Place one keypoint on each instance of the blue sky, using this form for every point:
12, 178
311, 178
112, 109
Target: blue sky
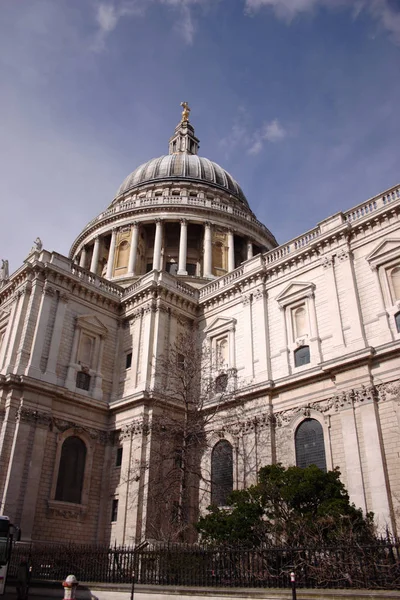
297, 99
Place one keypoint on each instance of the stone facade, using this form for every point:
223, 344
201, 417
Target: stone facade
305, 331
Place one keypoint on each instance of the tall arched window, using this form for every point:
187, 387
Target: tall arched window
300, 322
395, 276
122, 255
71, 470
310, 447
221, 473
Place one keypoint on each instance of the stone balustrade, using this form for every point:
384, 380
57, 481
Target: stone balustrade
137, 203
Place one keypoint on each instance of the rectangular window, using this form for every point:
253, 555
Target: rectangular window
114, 510
118, 461
191, 269
128, 360
83, 380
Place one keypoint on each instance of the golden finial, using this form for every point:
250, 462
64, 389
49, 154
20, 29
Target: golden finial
185, 112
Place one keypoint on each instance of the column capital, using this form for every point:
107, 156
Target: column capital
135, 224
158, 221
183, 221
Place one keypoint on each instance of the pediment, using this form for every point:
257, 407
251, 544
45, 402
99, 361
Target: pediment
220, 324
91, 323
295, 291
385, 251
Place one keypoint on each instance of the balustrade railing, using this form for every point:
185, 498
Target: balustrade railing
98, 282
178, 200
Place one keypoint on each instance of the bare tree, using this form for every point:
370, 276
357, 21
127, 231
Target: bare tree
192, 386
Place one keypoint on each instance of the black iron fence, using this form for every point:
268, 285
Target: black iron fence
374, 567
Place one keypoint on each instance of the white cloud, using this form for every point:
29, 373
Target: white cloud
251, 141
108, 14
385, 12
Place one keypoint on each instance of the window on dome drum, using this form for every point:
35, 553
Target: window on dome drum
302, 356
397, 321
114, 510
191, 269
122, 255
310, 447
83, 380
118, 461
221, 473
221, 383
71, 470
149, 267
128, 360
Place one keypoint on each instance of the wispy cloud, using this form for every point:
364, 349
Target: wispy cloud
385, 12
108, 15
250, 140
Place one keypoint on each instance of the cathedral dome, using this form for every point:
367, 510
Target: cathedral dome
180, 166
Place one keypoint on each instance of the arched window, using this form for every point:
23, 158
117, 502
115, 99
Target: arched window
302, 356
71, 470
397, 321
300, 322
221, 473
310, 447
122, 255
222, 353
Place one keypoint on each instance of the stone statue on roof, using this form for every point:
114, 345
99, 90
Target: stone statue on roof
185, 112
37, 245
4, 275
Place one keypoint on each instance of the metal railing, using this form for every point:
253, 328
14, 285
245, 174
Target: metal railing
360, 567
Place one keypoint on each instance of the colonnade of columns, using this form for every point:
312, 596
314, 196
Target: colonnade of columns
157, 252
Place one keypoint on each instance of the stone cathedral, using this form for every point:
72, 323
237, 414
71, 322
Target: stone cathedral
310, 329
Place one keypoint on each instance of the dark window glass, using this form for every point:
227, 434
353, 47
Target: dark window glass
310, 447
71, 470
128, 360
149, 267
302, 356
221, 383
114, 509
221, 473
397, 320
191, 269
118, 461
180, 361
83, 380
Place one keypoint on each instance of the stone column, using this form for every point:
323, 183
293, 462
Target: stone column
231, 251
95, 256
82, 261
34, 369
345, 260
249, 250
183, 248
157, 246
207, 266
134, 248
382, 314
333, 301
355, 481
314, 338
376, 467
98, 380
248, 328
111, 253
15, 324
70, 381
56, 338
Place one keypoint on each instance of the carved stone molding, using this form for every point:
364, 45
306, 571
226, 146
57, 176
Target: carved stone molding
327, 261
137, 427
30, 415
343, 254
246, 299
334, 404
